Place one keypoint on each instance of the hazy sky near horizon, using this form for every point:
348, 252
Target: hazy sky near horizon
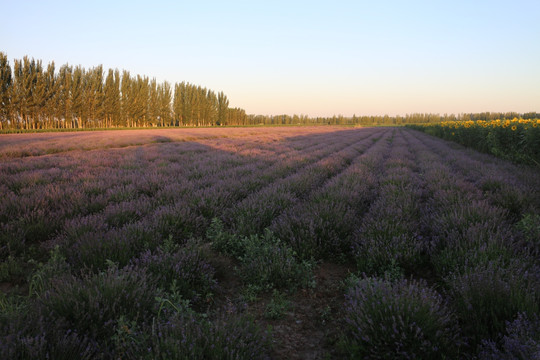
306, 57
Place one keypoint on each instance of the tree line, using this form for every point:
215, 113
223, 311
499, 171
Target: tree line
416, 118
34, 96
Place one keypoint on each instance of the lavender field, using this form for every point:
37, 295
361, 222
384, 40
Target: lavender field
256, 243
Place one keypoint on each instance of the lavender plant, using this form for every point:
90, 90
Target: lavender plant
20, 340
185, 268
188, 337
92, 305
520, 342
487, 296
317, 230
398, 320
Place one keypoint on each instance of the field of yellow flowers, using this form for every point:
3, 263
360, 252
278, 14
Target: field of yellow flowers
517, 139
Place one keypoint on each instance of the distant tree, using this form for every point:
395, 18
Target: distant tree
65, 102
78, 97
164, 100
21, 94
178, 103
126, 99
94, 96
153, 103
6, 81
223, 105
38, 95
51, 97
140, 93
111, 101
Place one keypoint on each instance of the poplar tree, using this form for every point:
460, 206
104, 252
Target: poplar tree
164, 99
51, 102
21, 94
139, 105
65, 112
94, 96
223, 105
153, 103
126, 99
39, 95
210, 108
32, 97
111, 106
178, 103
78, 97
5, 90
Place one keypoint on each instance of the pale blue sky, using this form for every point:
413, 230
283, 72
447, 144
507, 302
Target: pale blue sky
307, 57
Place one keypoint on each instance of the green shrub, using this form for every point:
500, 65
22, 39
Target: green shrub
265, 261
224, 241
42, 279
277, 306
529, 226
269, 263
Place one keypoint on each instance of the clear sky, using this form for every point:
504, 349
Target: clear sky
318, 58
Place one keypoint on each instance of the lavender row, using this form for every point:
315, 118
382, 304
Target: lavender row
474, 250
464, 240
258, 210
321, 226
185, 212
388, 237
139, 311
504, 184
129, 210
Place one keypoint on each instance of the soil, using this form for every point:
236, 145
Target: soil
311, 327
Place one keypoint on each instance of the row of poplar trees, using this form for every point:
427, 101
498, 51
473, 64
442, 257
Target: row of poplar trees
33, 96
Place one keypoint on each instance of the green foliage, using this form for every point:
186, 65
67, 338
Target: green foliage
251, 292
269, 263
11, 305
224, 241
173, 301
529, 226
277, 307
78, 98
41, 280
265, 261
12, 269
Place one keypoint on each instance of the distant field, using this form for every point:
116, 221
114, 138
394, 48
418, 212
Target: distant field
246, 243
32, 144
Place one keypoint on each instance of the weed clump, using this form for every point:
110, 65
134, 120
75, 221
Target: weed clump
265, 261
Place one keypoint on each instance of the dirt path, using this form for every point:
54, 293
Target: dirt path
310, 326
